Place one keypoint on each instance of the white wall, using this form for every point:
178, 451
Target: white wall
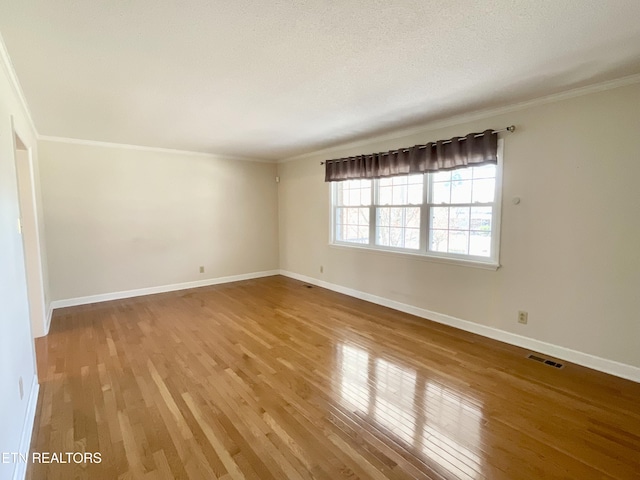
570, 251
120, 219
16, 343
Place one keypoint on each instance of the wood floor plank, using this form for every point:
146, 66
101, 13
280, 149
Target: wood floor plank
267, 379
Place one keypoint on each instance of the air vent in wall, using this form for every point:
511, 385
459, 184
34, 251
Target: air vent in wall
551, 363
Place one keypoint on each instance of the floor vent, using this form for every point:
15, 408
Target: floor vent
551, 363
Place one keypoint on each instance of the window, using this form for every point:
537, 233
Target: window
352, 202
449, 214
397, 202
461, 205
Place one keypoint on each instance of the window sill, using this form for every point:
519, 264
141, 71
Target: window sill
418, 256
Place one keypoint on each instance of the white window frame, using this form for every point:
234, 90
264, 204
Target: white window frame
491, 263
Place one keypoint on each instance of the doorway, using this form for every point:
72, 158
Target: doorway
28, 224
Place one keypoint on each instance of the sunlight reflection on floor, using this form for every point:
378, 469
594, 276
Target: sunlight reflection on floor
435, 422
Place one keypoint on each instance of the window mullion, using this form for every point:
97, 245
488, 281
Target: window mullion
372, 211
336, 194
424, 213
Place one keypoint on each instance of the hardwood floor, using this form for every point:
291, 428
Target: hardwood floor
267, 379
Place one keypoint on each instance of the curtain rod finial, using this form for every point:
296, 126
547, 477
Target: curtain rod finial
511, 129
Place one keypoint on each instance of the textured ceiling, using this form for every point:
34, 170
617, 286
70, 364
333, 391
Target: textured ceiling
275, 79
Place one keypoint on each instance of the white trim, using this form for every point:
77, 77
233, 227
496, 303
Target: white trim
95, 143
30, 236
20, 470
612, 367
5, 60
105, 297
48, 319
460, 262
496, 222
470, 117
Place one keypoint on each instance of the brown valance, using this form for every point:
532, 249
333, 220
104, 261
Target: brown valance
472, 150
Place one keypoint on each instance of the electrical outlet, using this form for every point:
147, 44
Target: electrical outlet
21, 388
321, 269
201, 269
523, 317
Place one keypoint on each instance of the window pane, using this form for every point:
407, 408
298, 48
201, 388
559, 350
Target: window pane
412, 238
382, 236
396, 217
441, 192
461, 230
459, 242
461, 191
383, 216
459, 218
481, 219
363, 217
439, 241
412, 217
480, 244
365, 196
384, 197
363, 235
398, 227
484, 190
415, 194
353, 193
399, 180
440, 217
352, 216
355, 184
486, 171
462, 174
352, 224
353, 197
396, 237
442, 176
399, 195
400, 190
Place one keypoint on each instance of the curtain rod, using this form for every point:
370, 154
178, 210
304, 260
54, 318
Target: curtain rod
509, 129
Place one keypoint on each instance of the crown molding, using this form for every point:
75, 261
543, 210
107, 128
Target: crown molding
95, 143
7, 66
471, 116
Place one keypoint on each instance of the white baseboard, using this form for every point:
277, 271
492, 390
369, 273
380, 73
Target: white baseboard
105, 297
585, 359
20, 470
